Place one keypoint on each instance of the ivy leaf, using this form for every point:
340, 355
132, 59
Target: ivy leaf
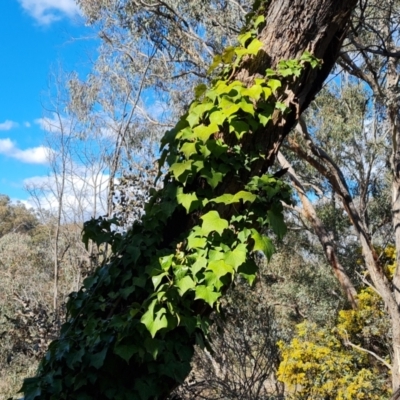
245, 196
277, 223
179, 168
154, 322
262, 243
239, 127
196, 242
220, 268
218, 117
203, 132
216, 61
264, 118
185, 284
157, 279
236, 257
200, 263
207, 294
188, 149
212, 177
127, 291
166, 262
228, 54
217, 147
259, 20
228, 107
225, 199
244, 37
248, 270
213, 222
230, 198
281, 106
97, 359
274, 84
255, 46
187, 200
254, 92
193, 119
125, 351
199, 90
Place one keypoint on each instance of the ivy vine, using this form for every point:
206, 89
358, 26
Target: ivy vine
132, 328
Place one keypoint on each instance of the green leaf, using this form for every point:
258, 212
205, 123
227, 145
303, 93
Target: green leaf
246, 106
276, 221
249, 271
203, 132
217, 147
225, 199
179, 168
198, 265
244, 37
125, 351
154, 321
157, 279
185, 284
187, 200
228, 107
97, 359
152, 346
281, 106
236, 257
213, 222
255, 46
196, 242
262, 243
259, 20
220, 268
228, 54
254, 92
264, 118
218, 117
166, 262
245, 196
230, 198
216, 61
199, 90
207, 294
188, 149
125, 292
239, 127
193, 119
212, 177
274, 84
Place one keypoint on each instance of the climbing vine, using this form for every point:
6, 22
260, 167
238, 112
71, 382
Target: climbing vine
132, 327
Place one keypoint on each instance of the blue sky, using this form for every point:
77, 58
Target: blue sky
36, 36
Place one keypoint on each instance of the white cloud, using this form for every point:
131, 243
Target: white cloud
54, 124
47, 11
84, 195
34, 155
27, 124
7, 125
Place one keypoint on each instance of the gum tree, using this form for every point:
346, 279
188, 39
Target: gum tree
131, 329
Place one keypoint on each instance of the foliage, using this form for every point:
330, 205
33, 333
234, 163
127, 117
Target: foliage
143, 310
15, 218
323, 361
